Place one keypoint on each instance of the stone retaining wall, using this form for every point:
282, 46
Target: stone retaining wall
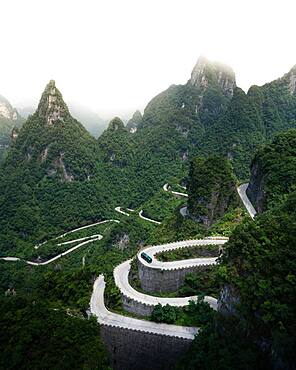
133, 350
159, 280
136, 307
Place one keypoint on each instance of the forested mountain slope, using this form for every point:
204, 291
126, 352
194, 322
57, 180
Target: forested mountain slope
253, 119
259, 274
211, 189
256, 326
59, 176
210, 115
273, 171
47, 180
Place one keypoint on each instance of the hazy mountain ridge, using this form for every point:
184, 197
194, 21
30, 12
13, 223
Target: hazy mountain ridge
9, 118
212, 115
94, 124
181, 122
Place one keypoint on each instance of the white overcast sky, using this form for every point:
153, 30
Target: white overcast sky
113, 56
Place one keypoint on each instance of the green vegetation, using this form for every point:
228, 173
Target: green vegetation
203, 282
189, 252
37, 337
177, 228
211, 189
55, 246
135, 121
224, 347
161, 205
259, 264
257, 270
206, 281
273, 172
59, 177
252, 120
57, 292
226, 224
56, 177
46, 180
195, 314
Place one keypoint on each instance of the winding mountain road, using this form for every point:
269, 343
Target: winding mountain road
166, 188
148, 219
242, 192
186, 263
184, 211
121, 273
84, 241
91, 239
105, 317
119, 210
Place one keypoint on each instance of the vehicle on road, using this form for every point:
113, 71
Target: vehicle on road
146, 257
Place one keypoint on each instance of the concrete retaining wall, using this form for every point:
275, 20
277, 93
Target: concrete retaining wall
159, 280
133, 350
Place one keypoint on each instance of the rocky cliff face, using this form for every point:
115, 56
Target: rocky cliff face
9, 121
290, 80
52, 108
54, 141
256, 188
49, 175
7, 111
228, 301
206, 73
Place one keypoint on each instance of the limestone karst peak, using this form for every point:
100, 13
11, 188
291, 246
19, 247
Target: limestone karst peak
292, 80
207, 73
7, 111
52, 107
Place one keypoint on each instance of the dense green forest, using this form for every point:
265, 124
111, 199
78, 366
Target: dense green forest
258, 267
273, 171
38, 337
257, 276
56, 177
211, 189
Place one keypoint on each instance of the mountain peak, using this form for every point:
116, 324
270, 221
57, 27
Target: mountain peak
52, 107
206, 73
134, 122
7, 111
116, 124
292, 80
